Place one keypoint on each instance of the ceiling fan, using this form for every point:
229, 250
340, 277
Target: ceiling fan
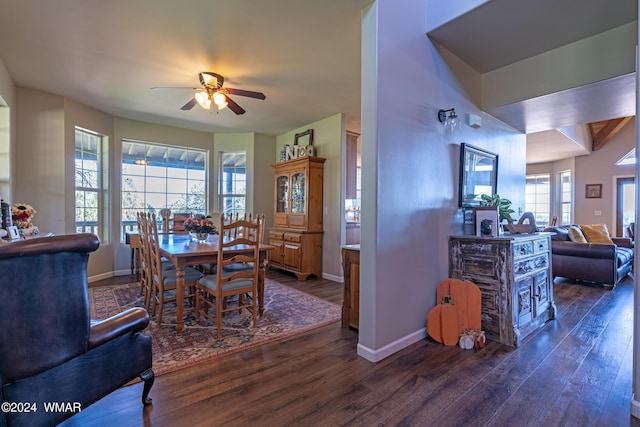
212, 93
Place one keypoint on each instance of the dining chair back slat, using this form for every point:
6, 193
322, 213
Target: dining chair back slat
212, 290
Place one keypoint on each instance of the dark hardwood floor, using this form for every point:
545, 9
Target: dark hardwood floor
576, 371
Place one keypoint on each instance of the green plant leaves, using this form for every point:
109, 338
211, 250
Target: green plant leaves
503, 205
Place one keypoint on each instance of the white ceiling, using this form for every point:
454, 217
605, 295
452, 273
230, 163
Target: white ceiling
303, 55
503, 32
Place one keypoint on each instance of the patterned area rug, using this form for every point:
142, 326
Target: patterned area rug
287, 312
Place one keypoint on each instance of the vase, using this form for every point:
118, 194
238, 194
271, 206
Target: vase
198, 236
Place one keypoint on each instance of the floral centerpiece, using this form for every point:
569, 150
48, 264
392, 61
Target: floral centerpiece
22, 214
200, 226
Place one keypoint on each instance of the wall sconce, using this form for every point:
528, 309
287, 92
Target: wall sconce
451, 122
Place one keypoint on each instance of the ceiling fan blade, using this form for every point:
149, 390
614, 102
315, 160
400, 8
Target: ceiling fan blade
175, 87
249, 93
189, 105
234, 107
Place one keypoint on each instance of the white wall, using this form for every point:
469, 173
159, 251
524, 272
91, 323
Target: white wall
597, 168
39, 176
410, 173
597, 58
259, 149
600, 168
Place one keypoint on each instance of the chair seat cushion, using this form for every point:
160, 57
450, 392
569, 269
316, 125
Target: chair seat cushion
211, 282
190, 275
239, 266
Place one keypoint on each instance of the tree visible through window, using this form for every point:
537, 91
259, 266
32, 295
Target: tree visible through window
158, 176
88, 182
233, 183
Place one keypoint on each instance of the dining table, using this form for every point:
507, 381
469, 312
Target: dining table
182, 251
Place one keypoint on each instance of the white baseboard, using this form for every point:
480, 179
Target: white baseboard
101, 276
110, 274
635, 406
391, 348
333, 278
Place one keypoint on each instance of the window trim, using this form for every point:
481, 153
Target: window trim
201, 154
222, 195
101, 228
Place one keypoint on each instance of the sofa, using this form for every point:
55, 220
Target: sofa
51, 352
602, 263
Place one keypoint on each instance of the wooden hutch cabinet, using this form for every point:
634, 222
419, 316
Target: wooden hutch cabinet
513, 273
297, 220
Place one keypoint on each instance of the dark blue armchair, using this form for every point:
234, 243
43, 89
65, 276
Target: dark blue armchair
50, 349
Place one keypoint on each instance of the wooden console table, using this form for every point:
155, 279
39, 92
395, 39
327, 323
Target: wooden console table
513, 273
132, 238
351, 301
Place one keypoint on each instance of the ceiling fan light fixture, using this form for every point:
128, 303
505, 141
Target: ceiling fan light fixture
204, 100
220, 100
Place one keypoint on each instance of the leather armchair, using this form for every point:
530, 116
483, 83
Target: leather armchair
50, 349
593, 262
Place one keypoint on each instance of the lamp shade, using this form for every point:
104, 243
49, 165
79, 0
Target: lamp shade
204, 100
220, 100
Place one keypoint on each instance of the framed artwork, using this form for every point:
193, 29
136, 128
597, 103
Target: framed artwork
485, 220
478, 175
468, 216
593, 191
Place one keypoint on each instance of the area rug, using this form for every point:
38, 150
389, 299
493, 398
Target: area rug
287, 312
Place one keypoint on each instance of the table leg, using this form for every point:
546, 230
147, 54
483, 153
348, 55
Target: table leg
179, 299
261, 268
137, 263
133, 254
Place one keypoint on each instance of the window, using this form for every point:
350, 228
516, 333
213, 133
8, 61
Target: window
566, 197
233, 183
628, 159
538, 197
88, 183
158, 176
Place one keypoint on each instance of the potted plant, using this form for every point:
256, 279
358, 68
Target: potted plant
503, 205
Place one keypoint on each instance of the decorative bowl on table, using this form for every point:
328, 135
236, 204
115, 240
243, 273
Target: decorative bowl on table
199, 227
199, 237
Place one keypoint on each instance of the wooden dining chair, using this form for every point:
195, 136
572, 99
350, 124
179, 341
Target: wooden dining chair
240, 231
146, 282
147, 288
213, 289
164, 279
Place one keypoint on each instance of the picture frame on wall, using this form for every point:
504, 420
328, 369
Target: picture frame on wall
486, 221
593, 191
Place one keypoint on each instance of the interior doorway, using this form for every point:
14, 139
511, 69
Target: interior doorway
625, 204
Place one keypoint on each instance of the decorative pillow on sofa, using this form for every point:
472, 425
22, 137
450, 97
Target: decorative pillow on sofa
575, 234
596, 233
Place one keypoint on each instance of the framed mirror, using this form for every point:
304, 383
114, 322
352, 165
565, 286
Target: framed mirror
478, 175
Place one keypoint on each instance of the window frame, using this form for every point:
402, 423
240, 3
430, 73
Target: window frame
537, 195
565, 203
159, 165
222, 195
100, 228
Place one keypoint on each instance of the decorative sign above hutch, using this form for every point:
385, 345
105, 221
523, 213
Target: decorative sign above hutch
302, 146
